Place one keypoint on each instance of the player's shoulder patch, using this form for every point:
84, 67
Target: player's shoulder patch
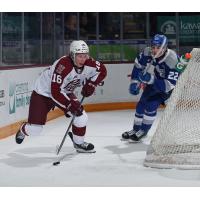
90, 62
171, 59
64, 65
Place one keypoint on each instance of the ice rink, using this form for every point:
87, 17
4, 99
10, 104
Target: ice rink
115, 163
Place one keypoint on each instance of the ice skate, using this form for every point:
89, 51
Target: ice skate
136, 137
20, 135
19, 138
126, 135
84, 147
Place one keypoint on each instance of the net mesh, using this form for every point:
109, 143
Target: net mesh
176, 142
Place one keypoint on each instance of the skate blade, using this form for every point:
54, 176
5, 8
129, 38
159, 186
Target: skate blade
134, 142
122, 139
81, 151
141, 140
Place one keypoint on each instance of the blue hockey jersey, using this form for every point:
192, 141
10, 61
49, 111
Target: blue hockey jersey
165, 71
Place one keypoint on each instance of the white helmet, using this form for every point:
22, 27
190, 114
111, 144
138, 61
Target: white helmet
77, 46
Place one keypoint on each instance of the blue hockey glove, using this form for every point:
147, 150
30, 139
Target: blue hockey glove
146, 78
134, 88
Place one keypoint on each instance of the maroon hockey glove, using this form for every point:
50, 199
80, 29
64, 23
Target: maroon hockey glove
88, 89
74, 105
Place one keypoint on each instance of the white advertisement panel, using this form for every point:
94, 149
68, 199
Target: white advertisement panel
3, 94
16, 87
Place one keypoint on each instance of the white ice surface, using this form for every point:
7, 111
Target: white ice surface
116, 162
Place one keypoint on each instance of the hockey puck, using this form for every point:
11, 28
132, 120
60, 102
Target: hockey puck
56, 163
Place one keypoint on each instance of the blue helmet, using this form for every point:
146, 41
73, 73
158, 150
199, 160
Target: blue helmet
159, 41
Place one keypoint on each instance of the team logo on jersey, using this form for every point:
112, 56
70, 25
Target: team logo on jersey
161, 71
72, 85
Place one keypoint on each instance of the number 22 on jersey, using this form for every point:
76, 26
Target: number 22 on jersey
173, 76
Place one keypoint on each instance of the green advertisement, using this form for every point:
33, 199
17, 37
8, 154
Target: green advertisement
114, 52
189, 28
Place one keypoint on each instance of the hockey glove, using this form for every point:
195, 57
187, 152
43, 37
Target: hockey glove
146, 78
74, 106
88, 89
134, 88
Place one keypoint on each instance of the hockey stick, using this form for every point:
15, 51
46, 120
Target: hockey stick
70, 124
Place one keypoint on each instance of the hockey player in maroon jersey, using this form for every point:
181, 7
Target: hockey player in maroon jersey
55, 87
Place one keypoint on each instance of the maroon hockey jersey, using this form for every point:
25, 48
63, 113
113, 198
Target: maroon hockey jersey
62, 78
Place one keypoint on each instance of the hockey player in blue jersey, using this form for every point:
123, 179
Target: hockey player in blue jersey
159, 85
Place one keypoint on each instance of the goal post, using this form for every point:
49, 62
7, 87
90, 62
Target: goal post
176, 141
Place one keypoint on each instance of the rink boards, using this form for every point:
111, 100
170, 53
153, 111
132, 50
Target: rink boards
16, 87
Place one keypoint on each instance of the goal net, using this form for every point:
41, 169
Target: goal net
176, 142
